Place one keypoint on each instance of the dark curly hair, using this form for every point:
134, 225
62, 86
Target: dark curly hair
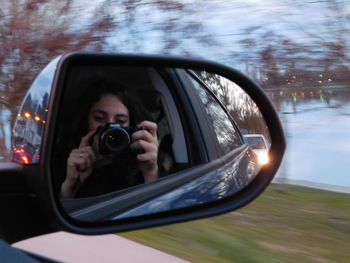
101, 87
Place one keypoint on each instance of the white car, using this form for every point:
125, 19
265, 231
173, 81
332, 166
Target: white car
259, 145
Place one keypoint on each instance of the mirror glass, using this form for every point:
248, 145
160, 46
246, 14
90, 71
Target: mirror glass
126, 146
31, 119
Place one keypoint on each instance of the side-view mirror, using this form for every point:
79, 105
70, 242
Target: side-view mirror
113, 142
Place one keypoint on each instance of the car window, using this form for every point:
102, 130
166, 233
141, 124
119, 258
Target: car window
227, 136
256, 142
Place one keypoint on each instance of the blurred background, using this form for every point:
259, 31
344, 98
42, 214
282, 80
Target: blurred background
298, 51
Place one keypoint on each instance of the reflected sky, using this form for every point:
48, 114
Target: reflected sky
318, 137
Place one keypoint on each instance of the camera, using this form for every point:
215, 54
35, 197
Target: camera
114, 138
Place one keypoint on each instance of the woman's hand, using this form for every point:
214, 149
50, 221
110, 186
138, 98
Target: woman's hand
80, 165
147, 141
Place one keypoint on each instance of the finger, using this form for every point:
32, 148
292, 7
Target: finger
83, 153
86, 140
149, 157
88, 162
150, 126
144, 145
83, 164
89, 153
144, 135
77, 162
84, 160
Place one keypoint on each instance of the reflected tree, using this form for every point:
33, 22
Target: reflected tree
238, 103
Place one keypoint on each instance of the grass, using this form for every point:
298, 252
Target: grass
299, 225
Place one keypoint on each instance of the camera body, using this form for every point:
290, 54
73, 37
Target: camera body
114, 138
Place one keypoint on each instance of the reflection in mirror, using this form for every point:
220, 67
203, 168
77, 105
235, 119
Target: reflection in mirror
123, 147
117, 126
243, 110
31, 119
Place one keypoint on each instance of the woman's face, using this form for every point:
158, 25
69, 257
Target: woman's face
108, 109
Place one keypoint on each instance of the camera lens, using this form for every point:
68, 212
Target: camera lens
116, 140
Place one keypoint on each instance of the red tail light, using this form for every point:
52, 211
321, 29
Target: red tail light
25, 160
20, 155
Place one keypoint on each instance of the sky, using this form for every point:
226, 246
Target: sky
225, 22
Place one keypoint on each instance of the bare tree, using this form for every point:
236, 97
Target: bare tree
32, 32
162, 26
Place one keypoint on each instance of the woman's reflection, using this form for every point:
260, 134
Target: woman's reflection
118, 146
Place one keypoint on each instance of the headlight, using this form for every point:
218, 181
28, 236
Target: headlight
263, 158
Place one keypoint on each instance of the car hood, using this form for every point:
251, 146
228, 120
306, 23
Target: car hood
68, 247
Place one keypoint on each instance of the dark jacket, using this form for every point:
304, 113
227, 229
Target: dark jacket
110, 175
